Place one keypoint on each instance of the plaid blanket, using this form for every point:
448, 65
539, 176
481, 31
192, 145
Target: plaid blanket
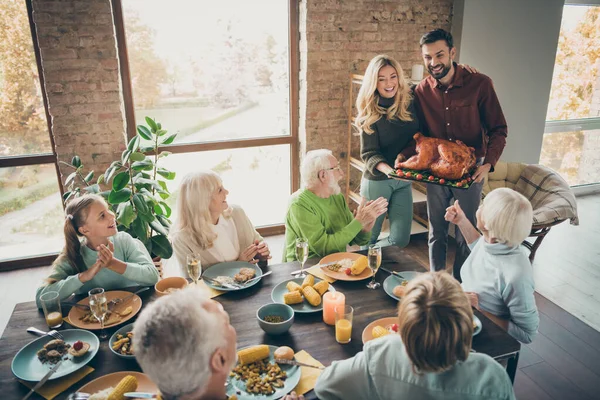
550, 195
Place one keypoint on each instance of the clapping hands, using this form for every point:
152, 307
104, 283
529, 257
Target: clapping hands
368, 211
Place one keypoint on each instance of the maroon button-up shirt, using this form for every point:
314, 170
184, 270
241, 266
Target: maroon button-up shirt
467, 110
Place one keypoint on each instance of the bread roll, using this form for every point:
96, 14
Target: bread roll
399, 291
284, 352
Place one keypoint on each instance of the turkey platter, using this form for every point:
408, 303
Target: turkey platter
443, 158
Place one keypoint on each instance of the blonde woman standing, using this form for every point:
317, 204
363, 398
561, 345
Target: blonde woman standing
387, 123
209, 227
104, 258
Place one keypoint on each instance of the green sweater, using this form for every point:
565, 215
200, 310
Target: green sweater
140, 270
328, 224
384, 371
389, 138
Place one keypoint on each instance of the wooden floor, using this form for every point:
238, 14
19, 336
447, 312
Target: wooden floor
563, 362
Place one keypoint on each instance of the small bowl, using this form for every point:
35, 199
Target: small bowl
176, 282
122, 331
277, 309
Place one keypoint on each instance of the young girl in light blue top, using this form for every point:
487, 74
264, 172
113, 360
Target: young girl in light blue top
105, 258
497, 275
428, 359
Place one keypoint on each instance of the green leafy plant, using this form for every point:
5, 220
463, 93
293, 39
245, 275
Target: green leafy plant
138, 188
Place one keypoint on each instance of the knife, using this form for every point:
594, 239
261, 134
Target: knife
389, 271
82, 306
140, 395
44, 380
258, 277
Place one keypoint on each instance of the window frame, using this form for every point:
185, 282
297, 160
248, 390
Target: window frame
291, 140
577, 124
34, 159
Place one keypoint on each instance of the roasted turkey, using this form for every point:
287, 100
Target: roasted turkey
445, 159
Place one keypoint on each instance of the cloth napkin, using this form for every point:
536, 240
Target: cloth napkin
316, 271
53, 388
309, 376
211, 292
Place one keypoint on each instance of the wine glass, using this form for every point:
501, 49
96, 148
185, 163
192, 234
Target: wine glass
374, 258
194, 267
99, 307
302, 254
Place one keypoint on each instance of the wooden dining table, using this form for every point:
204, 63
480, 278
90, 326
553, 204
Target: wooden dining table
308, 332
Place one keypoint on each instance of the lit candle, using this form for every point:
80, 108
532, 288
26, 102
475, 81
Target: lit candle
417, 72
330, 301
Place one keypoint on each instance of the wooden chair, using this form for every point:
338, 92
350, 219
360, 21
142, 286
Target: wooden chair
551, 197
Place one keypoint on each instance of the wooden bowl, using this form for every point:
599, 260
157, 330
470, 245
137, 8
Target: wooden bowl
175, 282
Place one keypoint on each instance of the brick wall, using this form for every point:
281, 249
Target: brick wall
80, 67
340, 37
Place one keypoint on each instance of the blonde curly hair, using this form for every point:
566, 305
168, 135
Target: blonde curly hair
367, 102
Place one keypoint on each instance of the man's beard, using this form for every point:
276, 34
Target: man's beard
442, 74
335, 187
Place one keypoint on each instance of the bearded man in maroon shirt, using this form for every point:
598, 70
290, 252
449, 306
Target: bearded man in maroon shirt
454, 104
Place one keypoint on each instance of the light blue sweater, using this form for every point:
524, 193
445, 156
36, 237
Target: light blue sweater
383, 371
502, 276
140, 270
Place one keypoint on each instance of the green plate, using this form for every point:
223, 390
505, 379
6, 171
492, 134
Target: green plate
27, 367
393, 280
281, 289
230, 269
293, 377
122, 331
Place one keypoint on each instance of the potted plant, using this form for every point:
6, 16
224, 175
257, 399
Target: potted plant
138, 188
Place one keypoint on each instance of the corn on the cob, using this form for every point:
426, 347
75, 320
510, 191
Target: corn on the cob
127, 384
311, 296
252, 354
308, 281
379, 331
292, 297
321, 287
359, 265
293, 287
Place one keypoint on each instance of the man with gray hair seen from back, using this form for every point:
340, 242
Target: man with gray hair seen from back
319, 212
186, 345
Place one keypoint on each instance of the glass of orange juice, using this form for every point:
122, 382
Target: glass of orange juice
343, 324
51, 306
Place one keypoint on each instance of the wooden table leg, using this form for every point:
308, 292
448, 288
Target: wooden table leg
511, 367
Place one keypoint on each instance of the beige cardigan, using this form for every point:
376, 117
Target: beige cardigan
182, 245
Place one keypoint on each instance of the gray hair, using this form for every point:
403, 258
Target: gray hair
314, 162
174, 339
507, 216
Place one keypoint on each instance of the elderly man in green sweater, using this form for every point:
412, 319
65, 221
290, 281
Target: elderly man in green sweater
319, 212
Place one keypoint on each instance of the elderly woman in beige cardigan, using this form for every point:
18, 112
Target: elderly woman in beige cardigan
209, 227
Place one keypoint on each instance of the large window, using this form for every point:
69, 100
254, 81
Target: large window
30, 201
571, 143
222, 75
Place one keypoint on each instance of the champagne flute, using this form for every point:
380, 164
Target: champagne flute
194, 267
374, 259
302, 254
99, 307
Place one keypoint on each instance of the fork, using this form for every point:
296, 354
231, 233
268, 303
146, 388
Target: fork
114, 302
55, 334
